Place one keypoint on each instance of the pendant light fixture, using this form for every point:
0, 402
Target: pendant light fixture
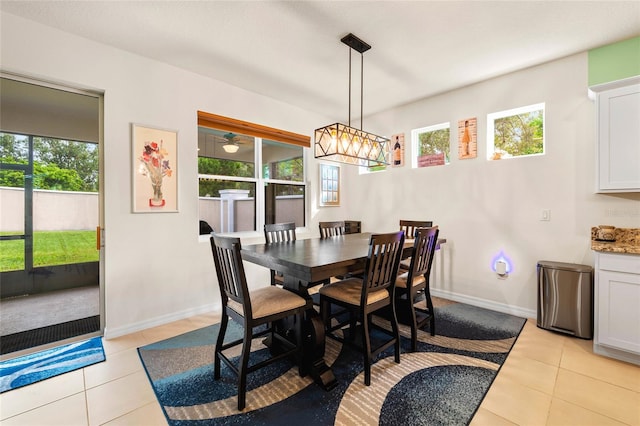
231, 148
343, 143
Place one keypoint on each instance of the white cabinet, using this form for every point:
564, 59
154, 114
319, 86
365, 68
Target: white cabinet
618, 136
617, 306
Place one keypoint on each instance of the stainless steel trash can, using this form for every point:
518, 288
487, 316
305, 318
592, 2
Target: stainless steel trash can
565, 298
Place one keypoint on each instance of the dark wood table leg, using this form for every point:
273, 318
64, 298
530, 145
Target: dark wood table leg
314, 351
314, 340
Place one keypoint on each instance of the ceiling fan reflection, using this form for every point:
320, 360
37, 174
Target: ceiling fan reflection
231, 145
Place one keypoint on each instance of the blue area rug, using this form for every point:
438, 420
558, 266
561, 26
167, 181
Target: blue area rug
442, 383
28, 369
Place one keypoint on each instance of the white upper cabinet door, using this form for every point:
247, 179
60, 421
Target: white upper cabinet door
618, 121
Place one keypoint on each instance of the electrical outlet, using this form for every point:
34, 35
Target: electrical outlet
545, 215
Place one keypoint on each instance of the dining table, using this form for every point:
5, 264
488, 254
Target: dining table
306, 263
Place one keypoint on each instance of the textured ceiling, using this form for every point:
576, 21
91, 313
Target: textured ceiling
291, 51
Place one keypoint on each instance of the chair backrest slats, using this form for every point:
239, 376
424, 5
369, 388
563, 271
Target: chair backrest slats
332, 229
426, 240
382, 262
230, 271
409, 226
279, 232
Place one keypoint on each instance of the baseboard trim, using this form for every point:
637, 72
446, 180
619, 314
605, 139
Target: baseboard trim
616, 354
487, 304
112, 333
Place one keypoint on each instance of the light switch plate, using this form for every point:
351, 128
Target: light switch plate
545, 215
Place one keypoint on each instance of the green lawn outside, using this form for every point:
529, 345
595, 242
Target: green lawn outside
50, 248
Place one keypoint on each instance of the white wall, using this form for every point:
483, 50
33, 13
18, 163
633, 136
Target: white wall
157, 269
485, 207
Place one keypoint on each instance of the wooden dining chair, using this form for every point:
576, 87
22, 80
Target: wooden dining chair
332, 229
414, 283
279, 233
264, 306
409, 227
361, 297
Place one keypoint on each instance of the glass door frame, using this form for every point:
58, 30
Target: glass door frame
26, 281
27, 235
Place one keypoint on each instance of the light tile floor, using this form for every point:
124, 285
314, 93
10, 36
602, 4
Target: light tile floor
548, 379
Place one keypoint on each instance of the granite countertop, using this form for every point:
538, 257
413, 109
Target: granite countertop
627, 241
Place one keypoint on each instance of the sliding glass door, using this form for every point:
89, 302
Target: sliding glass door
49, 215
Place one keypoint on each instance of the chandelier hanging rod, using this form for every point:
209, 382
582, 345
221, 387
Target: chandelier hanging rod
359, 46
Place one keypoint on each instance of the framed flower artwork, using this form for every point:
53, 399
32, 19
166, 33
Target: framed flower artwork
154, 169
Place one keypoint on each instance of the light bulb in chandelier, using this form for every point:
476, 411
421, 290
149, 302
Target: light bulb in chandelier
366, 148
345, 142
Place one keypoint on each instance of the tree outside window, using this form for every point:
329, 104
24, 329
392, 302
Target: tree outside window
515, 133
57, 164
431, 145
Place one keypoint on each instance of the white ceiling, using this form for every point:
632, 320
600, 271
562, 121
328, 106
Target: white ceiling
291, 50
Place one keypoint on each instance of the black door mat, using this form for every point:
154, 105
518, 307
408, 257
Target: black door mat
51, 333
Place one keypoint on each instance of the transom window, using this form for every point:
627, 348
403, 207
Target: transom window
516, 132
430, 145
245, 181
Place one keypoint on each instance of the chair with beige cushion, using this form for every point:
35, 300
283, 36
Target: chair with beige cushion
332, 229
409, 227
279, 233
412, 284
264, 306
361, 297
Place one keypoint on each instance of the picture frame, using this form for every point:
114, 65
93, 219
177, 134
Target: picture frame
329, 185
154, 169
468, 138
397, 150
